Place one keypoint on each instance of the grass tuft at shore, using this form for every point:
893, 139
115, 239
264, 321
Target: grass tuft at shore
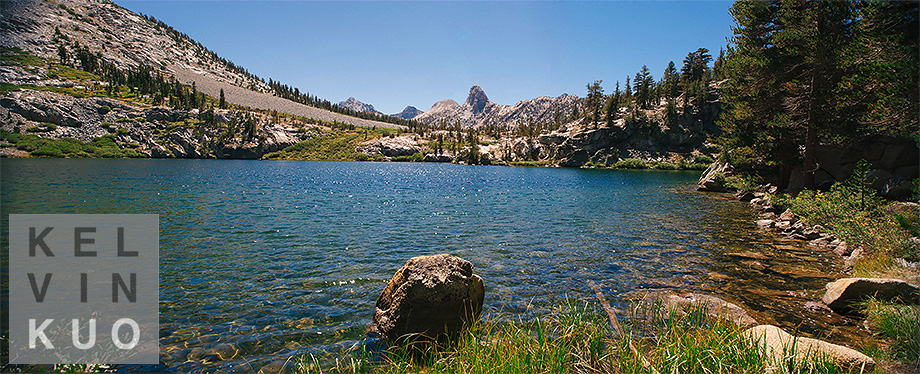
899, 324
578, 339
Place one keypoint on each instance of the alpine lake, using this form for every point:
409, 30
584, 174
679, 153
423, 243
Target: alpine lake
264, 260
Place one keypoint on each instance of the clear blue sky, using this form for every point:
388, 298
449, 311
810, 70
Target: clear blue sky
394, 54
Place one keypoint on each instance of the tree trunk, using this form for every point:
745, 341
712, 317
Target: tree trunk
811, 142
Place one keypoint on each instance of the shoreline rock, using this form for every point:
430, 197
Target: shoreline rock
844, 294
780, 344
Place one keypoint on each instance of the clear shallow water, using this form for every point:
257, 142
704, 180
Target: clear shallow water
279, 258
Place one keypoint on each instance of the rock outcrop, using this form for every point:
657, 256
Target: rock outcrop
154, 131
783, 349
358, 106
429, 297
895, 164
390, 147
843, 294
713, 178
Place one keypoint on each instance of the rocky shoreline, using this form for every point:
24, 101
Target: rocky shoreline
840, 296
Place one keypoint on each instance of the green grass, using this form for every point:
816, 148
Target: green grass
899, 325
68, 73
336, 146
18, 56
630, 163
537, 163
103, 147
415, 157
579, 339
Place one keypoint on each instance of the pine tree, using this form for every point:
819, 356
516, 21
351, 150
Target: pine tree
595, 100
717, 72
812, 40
62, 53
670, 82
643, 86
695, 75
222, 103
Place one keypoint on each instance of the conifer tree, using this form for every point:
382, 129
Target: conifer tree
595, 100
670, 82
642, 86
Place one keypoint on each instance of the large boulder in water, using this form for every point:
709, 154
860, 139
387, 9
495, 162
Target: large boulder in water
430, 296
843, 294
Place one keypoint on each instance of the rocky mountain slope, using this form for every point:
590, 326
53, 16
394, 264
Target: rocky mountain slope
478, 111
358, 106
49, 29
121, 36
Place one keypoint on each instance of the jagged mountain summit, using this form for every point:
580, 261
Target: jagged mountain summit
409, 113
478, 111
358, 106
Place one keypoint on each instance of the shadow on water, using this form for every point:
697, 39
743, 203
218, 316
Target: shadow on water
264, 261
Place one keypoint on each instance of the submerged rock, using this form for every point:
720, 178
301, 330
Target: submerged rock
780, 346
430, 296
843, 294
713, 306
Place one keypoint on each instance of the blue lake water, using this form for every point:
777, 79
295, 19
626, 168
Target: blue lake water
288, 257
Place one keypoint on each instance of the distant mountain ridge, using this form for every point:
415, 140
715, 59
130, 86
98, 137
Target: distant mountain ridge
409, 113
478, 111
358, 106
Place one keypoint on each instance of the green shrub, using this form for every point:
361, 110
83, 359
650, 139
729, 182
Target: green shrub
122, 131
43, 127
703, 159
592, 164
415, 157
104, 109
694, 166
852, 212
743, 182
663, 166
630, 163
534, 163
